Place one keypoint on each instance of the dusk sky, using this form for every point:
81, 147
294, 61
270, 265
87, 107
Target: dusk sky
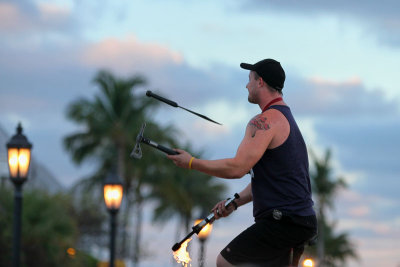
341, 59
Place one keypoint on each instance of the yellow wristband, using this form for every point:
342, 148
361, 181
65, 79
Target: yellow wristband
190, 162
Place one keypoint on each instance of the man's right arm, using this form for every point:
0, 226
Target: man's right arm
259, 133
245, 197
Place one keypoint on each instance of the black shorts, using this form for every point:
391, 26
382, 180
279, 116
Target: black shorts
268, 242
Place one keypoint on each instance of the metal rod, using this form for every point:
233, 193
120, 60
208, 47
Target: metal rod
17, 224
113, 225
162, 148
174, 104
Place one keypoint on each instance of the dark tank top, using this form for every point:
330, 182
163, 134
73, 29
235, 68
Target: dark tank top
280, 179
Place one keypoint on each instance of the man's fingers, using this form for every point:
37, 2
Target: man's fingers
218, 210
181, 151
221, 209
216, 213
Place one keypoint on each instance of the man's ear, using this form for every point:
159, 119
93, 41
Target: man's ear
260, 82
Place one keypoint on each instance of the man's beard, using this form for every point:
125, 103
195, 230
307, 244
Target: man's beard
251, 99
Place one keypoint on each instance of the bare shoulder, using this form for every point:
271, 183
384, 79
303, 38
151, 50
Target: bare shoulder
271, 120
275, 115
259, 122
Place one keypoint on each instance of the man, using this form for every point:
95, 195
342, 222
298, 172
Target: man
274, 151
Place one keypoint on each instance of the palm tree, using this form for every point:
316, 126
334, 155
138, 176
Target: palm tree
330, 248
109, 119
110, 123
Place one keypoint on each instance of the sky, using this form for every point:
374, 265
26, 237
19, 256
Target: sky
341, 60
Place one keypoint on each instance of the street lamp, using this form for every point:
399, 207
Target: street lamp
203, 235
19, 157
113, 192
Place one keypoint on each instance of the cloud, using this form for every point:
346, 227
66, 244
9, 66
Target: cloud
168, 71
359, 211
128, 55
366, 213
379, 16
376, 227
27, 17
386, 8
378, 251
11, 17
321, 97
51, 12
366, 146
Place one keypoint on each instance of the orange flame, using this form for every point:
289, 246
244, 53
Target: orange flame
182, 256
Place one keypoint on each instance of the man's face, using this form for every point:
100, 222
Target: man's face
252, 86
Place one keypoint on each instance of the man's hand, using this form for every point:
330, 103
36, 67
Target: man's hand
221, 211
182, 159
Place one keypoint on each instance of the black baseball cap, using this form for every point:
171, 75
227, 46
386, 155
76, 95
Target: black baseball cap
270, 70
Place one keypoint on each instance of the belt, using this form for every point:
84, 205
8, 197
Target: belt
275, 214
278, 215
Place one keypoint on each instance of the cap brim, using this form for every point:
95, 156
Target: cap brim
247, 66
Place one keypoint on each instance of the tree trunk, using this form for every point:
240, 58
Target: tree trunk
125, 219
124, 226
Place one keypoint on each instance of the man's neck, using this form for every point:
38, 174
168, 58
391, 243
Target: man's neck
268, 98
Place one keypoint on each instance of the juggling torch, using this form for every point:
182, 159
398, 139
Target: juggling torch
209, 219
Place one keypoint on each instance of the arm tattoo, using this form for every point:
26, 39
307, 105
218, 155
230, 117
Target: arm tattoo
259, 123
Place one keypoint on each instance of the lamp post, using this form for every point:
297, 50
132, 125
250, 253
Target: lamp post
19, 157
203, 235
113, 192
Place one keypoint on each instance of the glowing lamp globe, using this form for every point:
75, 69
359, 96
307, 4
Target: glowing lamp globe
113, 192
19, 156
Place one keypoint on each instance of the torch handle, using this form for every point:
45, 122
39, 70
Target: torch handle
164, 149
167, 150
210, 218
178, 245
166, 101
